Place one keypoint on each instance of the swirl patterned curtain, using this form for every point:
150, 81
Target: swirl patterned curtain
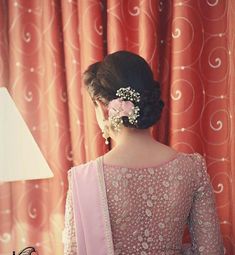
44, 48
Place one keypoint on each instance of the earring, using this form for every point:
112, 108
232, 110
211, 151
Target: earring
105, 134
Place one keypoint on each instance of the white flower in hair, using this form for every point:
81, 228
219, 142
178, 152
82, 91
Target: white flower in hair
124, 106
129, 94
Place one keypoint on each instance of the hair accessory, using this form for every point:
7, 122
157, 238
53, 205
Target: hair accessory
124, 106
129, 94
105, 133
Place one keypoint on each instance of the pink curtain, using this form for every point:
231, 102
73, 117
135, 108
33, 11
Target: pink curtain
44, 48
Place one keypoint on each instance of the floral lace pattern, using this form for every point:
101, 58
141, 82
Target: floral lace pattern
149, 208
69, 235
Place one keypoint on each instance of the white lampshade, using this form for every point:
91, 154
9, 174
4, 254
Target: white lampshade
20, 156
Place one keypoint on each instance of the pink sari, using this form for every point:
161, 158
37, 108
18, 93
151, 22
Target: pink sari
92, 223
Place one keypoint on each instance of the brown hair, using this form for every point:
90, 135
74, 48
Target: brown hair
126, 69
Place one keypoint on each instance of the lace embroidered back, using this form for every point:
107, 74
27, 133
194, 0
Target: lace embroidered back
149, 208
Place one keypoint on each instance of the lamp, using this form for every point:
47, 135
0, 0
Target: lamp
20, 156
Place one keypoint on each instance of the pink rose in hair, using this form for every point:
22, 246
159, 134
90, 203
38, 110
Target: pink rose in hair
120, 108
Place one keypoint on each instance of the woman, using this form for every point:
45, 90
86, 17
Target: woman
138, 197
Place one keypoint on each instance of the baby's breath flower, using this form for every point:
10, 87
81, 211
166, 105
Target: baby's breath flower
124, 106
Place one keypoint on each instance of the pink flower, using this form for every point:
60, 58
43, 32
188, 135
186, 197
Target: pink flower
120, 108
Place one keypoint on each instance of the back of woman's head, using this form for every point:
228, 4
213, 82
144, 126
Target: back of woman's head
125, 69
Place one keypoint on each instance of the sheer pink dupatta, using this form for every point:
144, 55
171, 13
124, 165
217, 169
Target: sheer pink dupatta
92, 223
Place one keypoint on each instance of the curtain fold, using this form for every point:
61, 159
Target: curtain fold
45, 46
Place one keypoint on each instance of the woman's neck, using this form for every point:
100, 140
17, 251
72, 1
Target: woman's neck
132, 138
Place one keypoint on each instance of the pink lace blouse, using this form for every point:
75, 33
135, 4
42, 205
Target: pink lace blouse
149, 208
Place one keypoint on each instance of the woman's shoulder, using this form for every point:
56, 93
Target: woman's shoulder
195, 166
81, 166
195, 158
168, 152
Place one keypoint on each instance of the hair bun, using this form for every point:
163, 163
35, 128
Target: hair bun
150, 106
123, 69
